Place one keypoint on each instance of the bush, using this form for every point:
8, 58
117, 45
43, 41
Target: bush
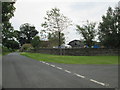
5, 50
36, 42
26, 47
11, 44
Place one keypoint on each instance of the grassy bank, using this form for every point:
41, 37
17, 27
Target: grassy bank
5, 53
73, 59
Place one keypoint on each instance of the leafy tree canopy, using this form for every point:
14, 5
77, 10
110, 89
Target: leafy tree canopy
7, 30
36, 42
26, 34
109, 28
55, 22
88, 32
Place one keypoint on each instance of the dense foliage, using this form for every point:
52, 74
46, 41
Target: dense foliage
8, 36
109, 28
36, 42
26, 34
88, 32
8, 31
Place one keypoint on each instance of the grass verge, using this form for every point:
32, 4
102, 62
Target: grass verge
73, 59
5, 53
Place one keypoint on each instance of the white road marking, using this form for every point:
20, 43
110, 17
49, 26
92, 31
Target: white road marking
59, 68
67, 71
52, 65
92, 80
79, 75
47, 63
43, 62
97, 82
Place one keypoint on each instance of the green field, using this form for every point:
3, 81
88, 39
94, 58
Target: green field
73, 59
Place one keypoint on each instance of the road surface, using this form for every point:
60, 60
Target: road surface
23, 72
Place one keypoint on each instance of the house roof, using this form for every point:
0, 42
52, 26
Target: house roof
74, 41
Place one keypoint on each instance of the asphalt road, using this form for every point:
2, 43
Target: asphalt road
23, 72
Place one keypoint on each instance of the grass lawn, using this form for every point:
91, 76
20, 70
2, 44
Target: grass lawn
73, 59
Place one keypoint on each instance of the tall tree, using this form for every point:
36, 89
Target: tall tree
7, 29
109, 28
88, 32
26, 34
56, 22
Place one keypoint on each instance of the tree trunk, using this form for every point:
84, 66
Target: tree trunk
59, 44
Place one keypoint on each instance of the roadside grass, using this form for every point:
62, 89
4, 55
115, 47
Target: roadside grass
5, 53
73, 59
5, 50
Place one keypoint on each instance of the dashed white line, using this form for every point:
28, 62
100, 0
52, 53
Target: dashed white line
97, 82
59, 68
79, 75
67, 71
47, 63
52, 65
43, 62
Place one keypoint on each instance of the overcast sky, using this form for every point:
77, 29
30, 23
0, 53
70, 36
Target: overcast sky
33, 11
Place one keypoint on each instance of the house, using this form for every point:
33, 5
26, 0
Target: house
76, 43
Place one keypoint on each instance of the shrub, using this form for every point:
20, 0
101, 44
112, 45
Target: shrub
12, 44
26, 47
36, 42
5, 50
